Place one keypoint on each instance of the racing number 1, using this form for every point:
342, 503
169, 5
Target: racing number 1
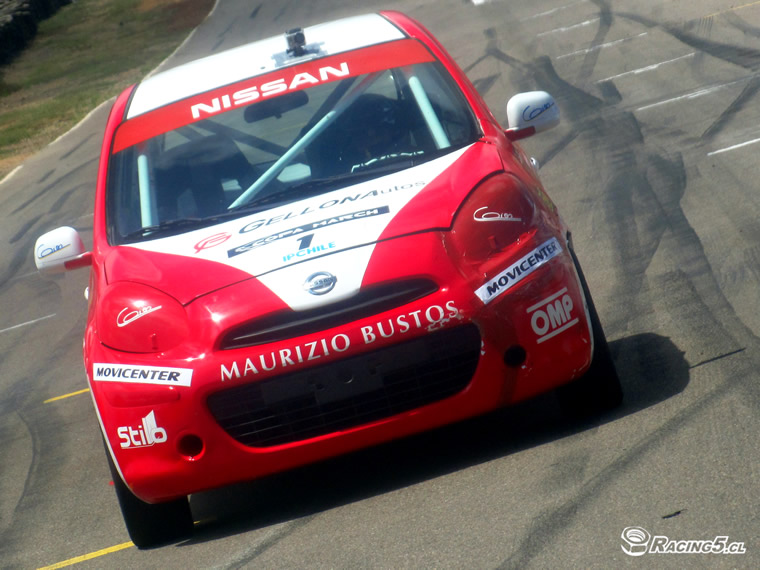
305, 241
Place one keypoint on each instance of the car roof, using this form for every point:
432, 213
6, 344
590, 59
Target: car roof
258, 58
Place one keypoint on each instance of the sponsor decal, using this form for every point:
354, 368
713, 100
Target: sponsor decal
126, 316
480, 216
552, 316
162, 376
44, 251
351, 216
519, 270
320, 283
637, 541
346, 199
530, 113
309, 251
145, 435
211, 241
269, 88
152, 112
431, 318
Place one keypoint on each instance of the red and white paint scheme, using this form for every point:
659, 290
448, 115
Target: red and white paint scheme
312, 244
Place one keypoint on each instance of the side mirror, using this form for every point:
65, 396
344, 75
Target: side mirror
59, 250
530, 113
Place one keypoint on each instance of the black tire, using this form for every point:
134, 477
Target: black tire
151, 525
599, 389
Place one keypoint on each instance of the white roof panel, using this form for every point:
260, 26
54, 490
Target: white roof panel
258, 58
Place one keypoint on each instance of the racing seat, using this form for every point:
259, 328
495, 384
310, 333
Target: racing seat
373, 126
191, 178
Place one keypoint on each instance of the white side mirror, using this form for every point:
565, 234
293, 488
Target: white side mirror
59, 250
530, 113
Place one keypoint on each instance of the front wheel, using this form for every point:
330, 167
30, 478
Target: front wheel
151, 525
598, 390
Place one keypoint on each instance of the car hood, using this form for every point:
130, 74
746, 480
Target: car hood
331, 233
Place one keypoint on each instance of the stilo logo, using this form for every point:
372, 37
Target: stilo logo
320, 283
636, 540
145, 435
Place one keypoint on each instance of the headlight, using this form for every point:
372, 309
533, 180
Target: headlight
498, 214
137, 318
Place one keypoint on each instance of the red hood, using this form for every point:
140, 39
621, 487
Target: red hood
179, 276
182, 268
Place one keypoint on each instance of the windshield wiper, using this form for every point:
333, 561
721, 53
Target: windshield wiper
361, 173
167, 226
304, 189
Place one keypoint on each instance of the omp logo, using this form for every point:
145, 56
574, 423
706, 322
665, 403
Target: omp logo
553, 315
251, 94
145, 435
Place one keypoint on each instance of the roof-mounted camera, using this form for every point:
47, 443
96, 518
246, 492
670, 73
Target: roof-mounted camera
296, 42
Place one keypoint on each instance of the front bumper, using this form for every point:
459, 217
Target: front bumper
253, 411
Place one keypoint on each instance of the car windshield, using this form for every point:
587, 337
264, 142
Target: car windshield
284, 148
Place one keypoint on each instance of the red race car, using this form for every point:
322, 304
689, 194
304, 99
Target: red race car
312, 244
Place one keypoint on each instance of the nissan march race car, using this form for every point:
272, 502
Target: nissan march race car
312, 244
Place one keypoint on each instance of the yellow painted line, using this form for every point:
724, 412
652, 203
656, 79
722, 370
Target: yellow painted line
734, 9
78, 559
66, 396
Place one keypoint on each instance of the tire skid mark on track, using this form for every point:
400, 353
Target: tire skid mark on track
58, 181
24, 229
275, 538
740, 24
746, 57
553, 521
605, 24
7, 531
47, 462
77, 146
645, 186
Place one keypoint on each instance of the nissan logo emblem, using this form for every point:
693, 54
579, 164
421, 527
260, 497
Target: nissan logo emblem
320, 283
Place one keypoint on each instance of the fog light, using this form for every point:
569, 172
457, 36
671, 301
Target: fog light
514, 356
190, 447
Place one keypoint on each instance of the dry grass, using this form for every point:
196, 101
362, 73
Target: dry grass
85, 54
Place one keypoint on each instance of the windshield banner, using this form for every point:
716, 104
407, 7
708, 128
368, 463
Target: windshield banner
288, 79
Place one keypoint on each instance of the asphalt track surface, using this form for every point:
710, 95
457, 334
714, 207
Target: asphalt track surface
654, 169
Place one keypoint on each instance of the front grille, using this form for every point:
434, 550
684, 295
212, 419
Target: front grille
290, 324
350, 392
